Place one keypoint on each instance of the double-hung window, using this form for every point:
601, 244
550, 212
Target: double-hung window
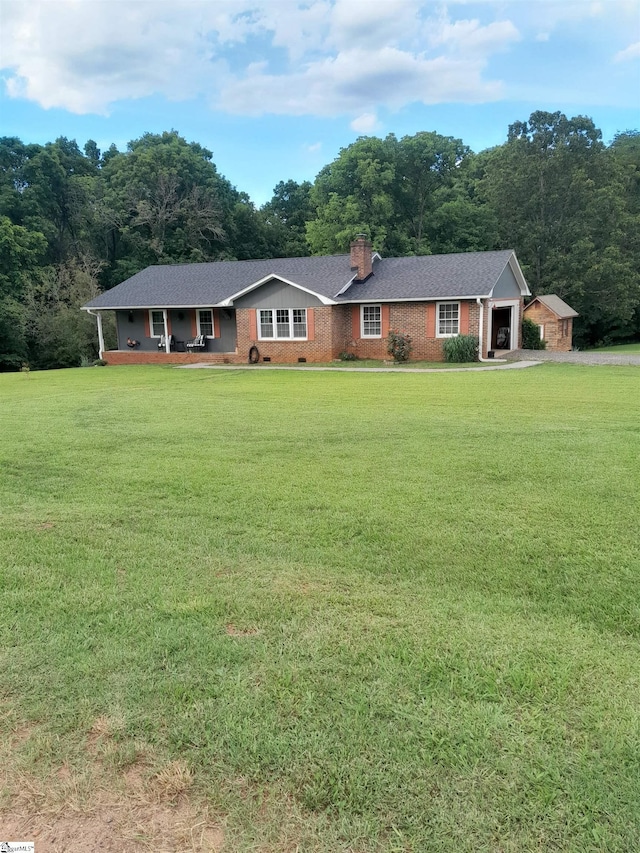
286, 324
448, 319
156, 323
371, 321
204, 322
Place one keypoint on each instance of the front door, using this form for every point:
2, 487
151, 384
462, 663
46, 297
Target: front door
501, 328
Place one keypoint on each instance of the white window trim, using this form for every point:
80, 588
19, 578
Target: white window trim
274, 337
153, 311
213, 323
370, 305
447, 334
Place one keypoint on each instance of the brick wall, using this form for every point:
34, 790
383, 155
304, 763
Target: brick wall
411, 318
332, 328
288, 352
553, 327
159, 357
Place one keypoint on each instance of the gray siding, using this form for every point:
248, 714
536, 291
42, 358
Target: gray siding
277, 294
180, 324
506, 285
227, 340
131, 324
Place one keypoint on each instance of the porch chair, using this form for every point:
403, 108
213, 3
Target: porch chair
162, 343
199, 343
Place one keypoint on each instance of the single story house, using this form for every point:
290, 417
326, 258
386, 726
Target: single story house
313, 309
555, 319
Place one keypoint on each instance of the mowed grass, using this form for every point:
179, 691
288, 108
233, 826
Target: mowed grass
369, 612
621, 348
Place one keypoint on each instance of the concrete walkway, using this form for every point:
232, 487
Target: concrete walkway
513, 366
591, 357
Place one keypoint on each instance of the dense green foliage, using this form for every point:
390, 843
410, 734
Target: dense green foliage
75, 222
460, 349
531, 335
444, 661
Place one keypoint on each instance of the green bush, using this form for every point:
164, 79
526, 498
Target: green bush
461, 349
399, 346
531, 335
348, 356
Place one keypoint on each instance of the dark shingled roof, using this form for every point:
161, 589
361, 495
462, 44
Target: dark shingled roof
461, 275
190, 285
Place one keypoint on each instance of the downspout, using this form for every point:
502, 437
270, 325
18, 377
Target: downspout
481, 335
98, 316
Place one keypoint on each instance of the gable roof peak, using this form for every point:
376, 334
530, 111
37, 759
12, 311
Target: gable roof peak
554, 303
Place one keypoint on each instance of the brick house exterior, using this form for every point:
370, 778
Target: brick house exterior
555, 319
313, 309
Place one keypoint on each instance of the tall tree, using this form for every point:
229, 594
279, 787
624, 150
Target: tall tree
58, 333
558, 203
354, 194
165, 201
394, 190
21, 252
426, 164
286, 217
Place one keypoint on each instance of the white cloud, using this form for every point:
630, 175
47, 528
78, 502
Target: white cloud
297, 57
365, 123
543, 37
313, 147
373, 25
84, 56
629, 53
356, 81
466, 36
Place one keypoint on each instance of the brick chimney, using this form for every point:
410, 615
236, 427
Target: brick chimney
361, 257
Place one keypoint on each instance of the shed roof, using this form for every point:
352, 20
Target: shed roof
555, 304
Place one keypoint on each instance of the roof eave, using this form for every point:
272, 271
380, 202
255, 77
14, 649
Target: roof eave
441, 298
161, 307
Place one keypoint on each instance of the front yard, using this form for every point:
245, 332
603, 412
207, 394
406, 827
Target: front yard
343, 611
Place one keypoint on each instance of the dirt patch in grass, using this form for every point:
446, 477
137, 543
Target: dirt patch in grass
97, 807
233, 631
116, 826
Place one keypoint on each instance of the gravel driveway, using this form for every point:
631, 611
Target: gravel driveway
593, 357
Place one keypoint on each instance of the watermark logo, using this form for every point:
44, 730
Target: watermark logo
17, 847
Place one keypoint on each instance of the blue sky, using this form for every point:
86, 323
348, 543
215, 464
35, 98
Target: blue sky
276, 87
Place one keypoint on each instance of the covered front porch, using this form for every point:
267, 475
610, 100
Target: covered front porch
172, 335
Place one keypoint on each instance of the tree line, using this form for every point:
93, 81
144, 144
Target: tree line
76, 222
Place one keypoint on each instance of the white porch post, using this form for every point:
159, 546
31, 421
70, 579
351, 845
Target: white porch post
100, 336
167, 343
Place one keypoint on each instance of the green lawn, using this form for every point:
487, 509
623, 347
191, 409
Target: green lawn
371, 612
620, 348
379, 363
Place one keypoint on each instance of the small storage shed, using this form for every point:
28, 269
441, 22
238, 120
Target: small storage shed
555, 319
